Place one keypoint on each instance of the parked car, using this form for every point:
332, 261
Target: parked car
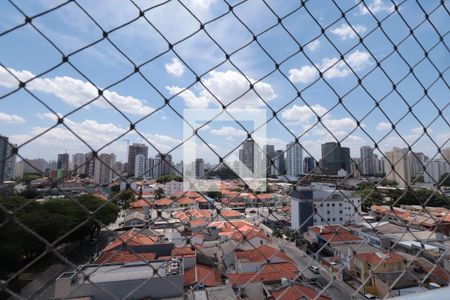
314, 269
370, 296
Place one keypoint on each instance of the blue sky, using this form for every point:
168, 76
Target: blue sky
25, 53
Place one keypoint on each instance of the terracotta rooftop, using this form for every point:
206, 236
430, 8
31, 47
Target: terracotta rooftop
261, 254
202, 274
296, 292
268, 273
183, 251
123, 256
163, 201
228, 213
375, 258
139, 204
130, 238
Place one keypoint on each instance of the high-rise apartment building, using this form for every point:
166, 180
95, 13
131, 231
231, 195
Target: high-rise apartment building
89, 165
199, 168
134, 150
397, 166
164, 165
366, 165
35, 165
417, 162
78, 161
247, 156
10, 163
102, 169
335, 158
309, 164
435, 169
270, 155
294, 159
63, 162
140, 166
279, 167
3, 156
151, 167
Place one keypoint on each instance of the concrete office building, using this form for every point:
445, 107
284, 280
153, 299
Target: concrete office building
397, 166
270, 155
302, 209
321, 204
145, 280
294, 159
134, 150
335, 158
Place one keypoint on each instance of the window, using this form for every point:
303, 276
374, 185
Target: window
340, 204
332, 204
328, 219
328, 212
334, 219
340, 211
340, 219
328, 204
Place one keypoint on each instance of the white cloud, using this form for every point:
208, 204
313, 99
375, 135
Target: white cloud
302, 113
384, 126
11, 119
202, 4
94, 133
73, 91
226, 87
190, 99
419, 130
375, 7
175, 67
228, 131
313, 45
331, 67
348, 32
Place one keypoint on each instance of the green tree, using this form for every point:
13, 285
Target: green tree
369, 197
159, 193
444, 180
167, 178
63, 220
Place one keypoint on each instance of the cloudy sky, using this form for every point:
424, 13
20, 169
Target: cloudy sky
234, 69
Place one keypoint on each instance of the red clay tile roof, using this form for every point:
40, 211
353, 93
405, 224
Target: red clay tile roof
130, 238
227, 213
261, 254
139, 204
380, 257
123, 257
334, 233
297, 291
185, 200
268, 273
202, 274
163, 201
